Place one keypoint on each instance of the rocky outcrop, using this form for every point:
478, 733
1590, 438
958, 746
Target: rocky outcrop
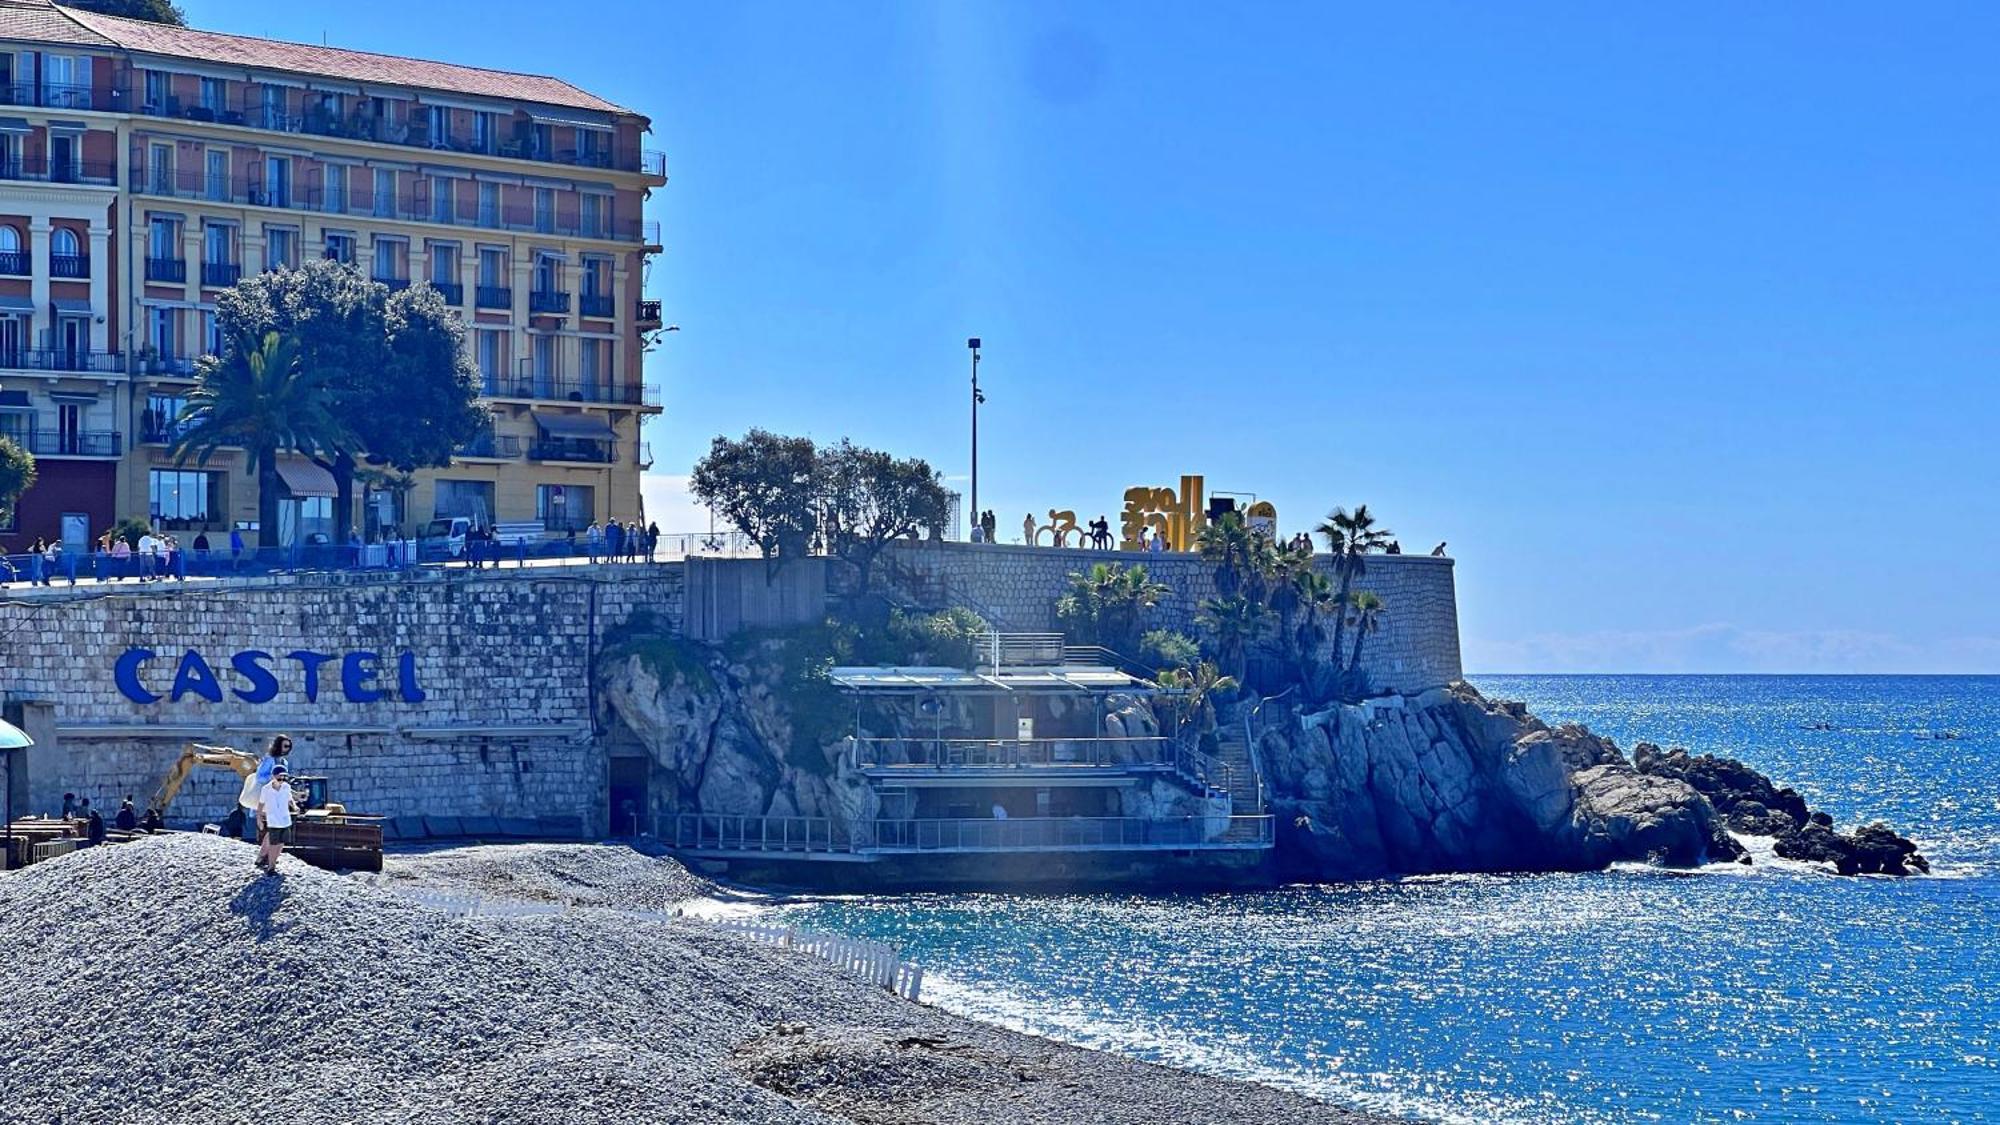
1451, 781
1754, 805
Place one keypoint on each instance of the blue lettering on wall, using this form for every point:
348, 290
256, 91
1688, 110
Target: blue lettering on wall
356, 671
127, 674
310, 661
195, 677
361, 676
251, 664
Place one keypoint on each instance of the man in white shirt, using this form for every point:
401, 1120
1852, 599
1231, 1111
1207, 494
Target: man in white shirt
149, 556
274, 820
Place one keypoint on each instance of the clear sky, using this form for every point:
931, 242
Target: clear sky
1678, 322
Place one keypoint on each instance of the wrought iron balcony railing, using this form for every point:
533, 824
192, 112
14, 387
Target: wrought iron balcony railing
548, 301
62, 359
221, 274
649, 312
594, 304
452, 292
494, 297
71, 266
173, 271
85, 443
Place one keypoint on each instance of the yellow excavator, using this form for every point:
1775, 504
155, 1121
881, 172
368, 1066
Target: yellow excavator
324, 834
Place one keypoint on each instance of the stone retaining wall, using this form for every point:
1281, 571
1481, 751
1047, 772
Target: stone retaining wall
1016, 588
501, 661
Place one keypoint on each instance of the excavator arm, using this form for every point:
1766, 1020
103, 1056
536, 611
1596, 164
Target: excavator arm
196, 755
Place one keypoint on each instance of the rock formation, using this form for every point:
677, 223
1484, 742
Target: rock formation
1753, 805
1450, 781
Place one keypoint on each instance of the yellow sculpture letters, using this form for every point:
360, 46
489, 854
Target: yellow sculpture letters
1177, 518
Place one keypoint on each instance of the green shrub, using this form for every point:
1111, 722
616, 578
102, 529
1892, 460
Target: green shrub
1165, 648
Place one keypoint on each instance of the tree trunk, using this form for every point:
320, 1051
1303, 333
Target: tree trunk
1340, 610
342, 469
267, 499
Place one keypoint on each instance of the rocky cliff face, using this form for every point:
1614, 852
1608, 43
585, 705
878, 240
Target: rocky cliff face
1450, 781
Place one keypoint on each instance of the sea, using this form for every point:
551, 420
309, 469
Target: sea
1777, 992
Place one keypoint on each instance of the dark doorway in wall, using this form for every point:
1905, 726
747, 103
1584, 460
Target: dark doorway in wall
627, 806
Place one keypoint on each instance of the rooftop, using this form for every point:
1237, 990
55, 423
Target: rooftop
41, 21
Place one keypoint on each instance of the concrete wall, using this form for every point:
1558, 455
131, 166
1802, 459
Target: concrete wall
503, 728
726, 596
1016, 589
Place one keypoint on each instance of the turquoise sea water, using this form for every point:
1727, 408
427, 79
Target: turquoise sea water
1773, 993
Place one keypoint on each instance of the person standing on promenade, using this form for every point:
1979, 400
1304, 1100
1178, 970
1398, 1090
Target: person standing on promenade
652, 539
121, 558
274, 820
593, 540
235, 549
614, 538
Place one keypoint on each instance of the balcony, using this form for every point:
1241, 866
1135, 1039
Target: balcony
644, 454
395, 284
452, 292
574, 450
57, 95
174, 271
358, 123
649, 314
494, 297
87, 443
15, 263
549, 388
94, 363
220, 274
172, 366
548, 301
492, 447
40, 169
75, 267
409, 206
159, 429
649, 232
594, 304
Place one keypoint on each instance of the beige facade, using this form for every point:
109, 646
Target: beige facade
196, 159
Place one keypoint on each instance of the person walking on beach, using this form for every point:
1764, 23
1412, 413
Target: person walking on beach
274, 820
272, 762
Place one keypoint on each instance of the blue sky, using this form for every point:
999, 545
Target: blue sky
1678, 322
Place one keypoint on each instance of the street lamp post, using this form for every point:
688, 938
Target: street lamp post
978, 397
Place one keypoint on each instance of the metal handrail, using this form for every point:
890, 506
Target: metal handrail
801, 835
1001, 753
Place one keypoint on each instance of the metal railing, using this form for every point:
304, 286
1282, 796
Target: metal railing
501, 447
649, 312
1079, 833
411, 204
714, 832
549, 388
60, 95
493, 296
548, 301
1137, 752
41, 168
171, 270
452, 292
83, 443
16, 263
574, 450
222, 274
23, 359
594, 304
75, 267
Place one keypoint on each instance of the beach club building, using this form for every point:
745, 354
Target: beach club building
145, 168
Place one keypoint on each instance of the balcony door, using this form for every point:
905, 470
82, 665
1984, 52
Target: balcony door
62, 158
72, 342
69, 427
13, 340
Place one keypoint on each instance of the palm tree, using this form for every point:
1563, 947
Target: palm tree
1316, 603
1192, 689
1350, 538
257, 397
1103, 605
1229, 544
1236, 623
1365, 612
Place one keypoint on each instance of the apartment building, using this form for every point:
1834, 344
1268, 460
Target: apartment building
145, 168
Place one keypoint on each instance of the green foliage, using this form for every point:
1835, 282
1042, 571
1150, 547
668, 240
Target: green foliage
152, 11
17, 475
1235, 624
1167, 650
131, 529
258, 396
801, 658
867, 499
1352, 537
666, 656
949, 637
1107, 605
763, 486
1192, 693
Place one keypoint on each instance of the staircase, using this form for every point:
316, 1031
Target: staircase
1246, 790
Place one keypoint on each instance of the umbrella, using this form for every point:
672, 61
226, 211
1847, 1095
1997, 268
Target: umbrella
12, 738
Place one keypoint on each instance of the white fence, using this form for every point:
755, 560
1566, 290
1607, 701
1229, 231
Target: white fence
870, 960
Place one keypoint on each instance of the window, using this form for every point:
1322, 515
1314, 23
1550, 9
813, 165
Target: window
392, 259
160, 166
179, 498
281, 248
10, 149
163, 237
214, 93
271, 108
548, 273
593, 212
545, 364
218, 173
444, 263
163, 412
218, 244
63, 244
596, 280
492, 358
484, 132
593, 147
543, 141
440, 199
10, 246
492, 266
592, 370
277, 181
335, 196
468, 498
385, 193
437, 125
211, 333
311, 520
565, 507
339, 247
545, 210
156, 92
489, 205
163, 331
